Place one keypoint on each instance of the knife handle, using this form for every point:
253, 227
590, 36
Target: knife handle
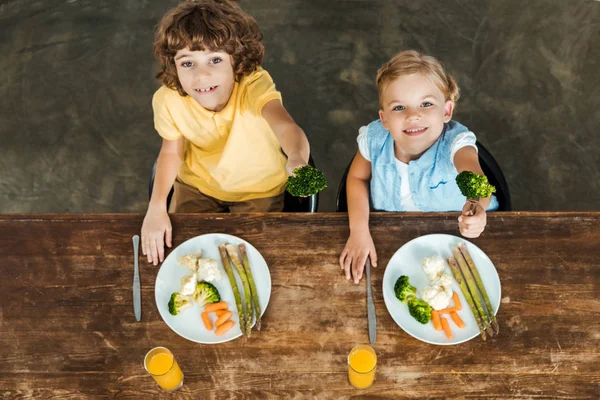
368, 270
136, 247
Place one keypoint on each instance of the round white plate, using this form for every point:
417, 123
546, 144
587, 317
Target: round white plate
407, 261
188, 323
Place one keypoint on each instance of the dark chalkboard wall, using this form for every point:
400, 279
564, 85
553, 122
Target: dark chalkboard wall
77, 77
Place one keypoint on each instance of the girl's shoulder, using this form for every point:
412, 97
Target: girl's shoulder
454, 129
376, 133
375, 128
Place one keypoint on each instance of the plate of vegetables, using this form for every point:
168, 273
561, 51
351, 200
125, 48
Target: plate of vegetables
442, 289
213, 288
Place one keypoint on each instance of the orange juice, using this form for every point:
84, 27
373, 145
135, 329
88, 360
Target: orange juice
362, 362
163, 367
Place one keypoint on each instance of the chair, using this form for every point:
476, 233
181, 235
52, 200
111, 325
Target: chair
490, 168
290, 203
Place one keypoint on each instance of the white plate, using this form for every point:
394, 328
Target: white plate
407, 261
188, 323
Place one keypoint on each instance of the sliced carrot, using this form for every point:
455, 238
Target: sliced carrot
221, 312
459, 322
446, 328
456, 299
223, 318
224, 328
222, 305
435, 318
447, 310
206, 320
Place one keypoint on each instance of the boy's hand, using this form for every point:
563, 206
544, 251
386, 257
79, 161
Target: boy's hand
354, 256
471, 226
156, 230
292, 164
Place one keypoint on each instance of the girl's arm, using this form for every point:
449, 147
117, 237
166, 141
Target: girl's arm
466, 159
357, 192
156, 228
291, 137
360, 244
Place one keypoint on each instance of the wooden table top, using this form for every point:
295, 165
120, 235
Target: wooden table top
67, 328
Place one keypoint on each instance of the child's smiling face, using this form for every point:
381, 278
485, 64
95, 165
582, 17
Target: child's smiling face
414, 110
206, 76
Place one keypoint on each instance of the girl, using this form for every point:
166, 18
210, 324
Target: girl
409, 158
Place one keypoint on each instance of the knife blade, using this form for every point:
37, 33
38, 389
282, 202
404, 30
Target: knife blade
137, 293
370, 306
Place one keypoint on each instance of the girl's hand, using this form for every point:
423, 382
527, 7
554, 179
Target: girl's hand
354, 256
471, 226
292, 164
156, 230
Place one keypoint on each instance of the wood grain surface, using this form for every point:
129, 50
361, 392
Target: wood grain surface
67, 329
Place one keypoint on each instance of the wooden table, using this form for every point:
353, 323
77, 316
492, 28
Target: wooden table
67, 329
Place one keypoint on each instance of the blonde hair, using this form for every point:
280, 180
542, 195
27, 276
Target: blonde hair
410, 62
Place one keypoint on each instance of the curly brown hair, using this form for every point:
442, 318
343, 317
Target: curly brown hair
214, 25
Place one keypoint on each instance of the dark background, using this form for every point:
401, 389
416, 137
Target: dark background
77, 78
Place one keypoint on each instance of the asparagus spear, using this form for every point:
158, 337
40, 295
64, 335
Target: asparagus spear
465, 252
465, 290
473, 289
234, 286
256, 301
235, 260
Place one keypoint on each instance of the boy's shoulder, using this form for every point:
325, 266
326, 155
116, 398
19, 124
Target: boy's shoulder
255, 75
256, 82
164, 95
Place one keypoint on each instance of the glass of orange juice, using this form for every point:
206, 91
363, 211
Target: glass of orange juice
161, 364
362, 362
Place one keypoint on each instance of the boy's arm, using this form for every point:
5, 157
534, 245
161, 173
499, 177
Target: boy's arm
357, 193
467, 159
169, 160
291, 137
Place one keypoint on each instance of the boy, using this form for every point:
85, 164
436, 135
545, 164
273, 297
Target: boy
222, 121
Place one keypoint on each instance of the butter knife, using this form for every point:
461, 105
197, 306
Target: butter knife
370, 305
137, 293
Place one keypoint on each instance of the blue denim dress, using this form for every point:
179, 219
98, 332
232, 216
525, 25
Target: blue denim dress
432, 177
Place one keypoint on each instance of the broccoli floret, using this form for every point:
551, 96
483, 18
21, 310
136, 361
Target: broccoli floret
206, 293
474, 186
306, 181
406, 293
404, 290
178, 303
420, 310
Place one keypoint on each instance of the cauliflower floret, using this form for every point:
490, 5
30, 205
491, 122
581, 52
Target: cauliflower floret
188, 285
445, 282
436, 296
208, 270
433, 266
190, 261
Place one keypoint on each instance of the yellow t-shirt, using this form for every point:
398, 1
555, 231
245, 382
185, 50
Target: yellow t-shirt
233, 154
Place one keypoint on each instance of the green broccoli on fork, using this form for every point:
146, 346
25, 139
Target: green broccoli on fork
474, 186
